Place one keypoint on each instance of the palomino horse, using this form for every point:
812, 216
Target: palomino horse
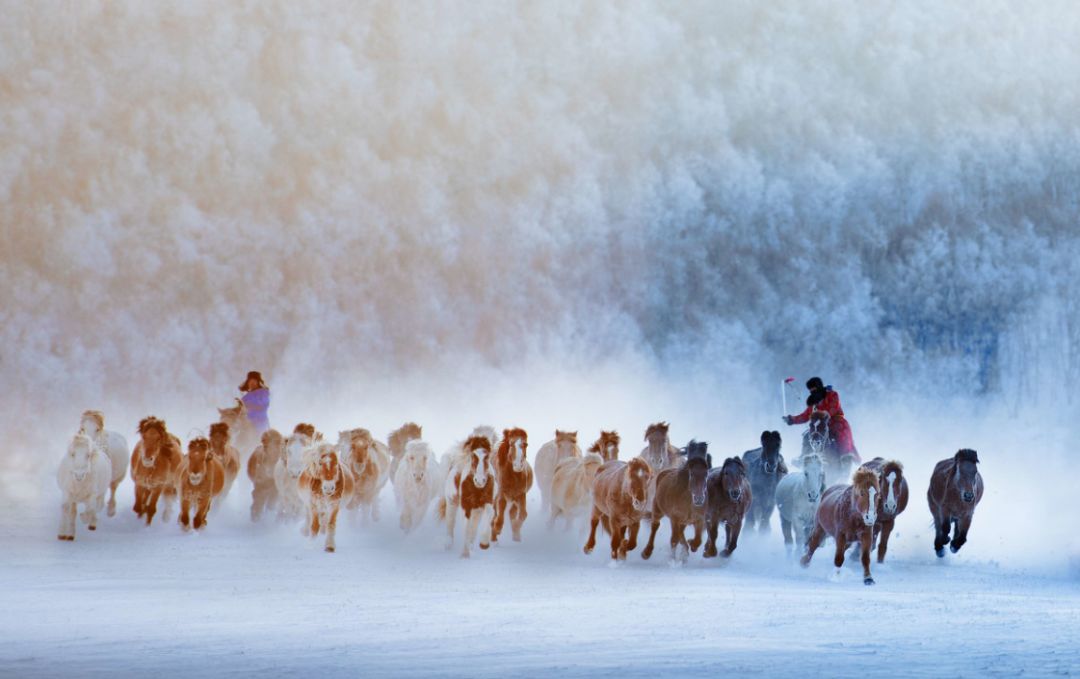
260, 469
956, 487
607, 446
571, 487
368, 461
416, 482
765, 467
894, 499
84, 476
114, 445
819, 440
154, 464
244, 435
659, 453
797, 497
398, 439
515, 478
680, 496
620, 497
470, 485
847, 513
297, 457
226, 454
729, 499
202, 478
548, 457
323, 486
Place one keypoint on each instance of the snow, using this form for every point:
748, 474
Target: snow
242, 599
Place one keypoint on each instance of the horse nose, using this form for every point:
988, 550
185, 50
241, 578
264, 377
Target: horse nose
698, 500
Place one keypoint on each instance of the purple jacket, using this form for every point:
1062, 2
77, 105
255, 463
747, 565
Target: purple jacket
257, 402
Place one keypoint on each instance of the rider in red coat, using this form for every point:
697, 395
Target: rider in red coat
824, 398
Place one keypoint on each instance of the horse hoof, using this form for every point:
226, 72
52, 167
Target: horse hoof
646, 554
112, 511
954, 549
517, 538
63, 537
484, 546
940, 551
868, 581
92, 527
330, 548
588, 549
726, 553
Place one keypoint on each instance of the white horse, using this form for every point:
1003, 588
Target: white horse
114, 445
416, 482
299, 457
797, 497
563, 447
83, 477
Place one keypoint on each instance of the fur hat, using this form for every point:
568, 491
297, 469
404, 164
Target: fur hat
253, 375
814, 383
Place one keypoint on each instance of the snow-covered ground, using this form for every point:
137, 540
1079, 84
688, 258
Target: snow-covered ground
240, 599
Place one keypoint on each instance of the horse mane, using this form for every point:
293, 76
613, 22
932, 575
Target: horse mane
359, 434
697, 450
569, 436
219, 428
892, 466
605, 436
150, 422
474, 442
819, 415
737, 461
661, 427
636, 465
967, 455
75, 439
305, 429
271, 436
864, 478
515, 433
814, 456
198, 443
97, 416
398, 437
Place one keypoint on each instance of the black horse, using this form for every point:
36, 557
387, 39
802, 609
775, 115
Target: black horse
764, 467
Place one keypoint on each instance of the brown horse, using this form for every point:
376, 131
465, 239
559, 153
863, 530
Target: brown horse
729, 499
368, 461
202, 478
226, 454
848, 514
659, 453
260, 469
154, 464
894, 499
398, 439
956, 487
515, 478
607, 446
680, 496
323, 487
469, 485
620, 497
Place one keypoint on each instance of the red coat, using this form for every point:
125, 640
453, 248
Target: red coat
838, 424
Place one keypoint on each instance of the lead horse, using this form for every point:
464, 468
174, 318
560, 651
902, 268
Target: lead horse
847, 513
956, 487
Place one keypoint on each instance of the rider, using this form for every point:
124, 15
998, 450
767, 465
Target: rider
823, 398
256, 400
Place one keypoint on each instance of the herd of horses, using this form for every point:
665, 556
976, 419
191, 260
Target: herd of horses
486, 477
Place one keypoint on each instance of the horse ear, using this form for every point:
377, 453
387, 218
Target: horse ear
708, 459
765, 436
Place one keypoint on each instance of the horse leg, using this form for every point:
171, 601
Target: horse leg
962, 526
485, 526
764, 518
140, 500
865, 539
653, 527
517, 517
816, 537
202, 508
618, 542
883, 542
710, 545
785, 528
594, 521
151, 505
331, 529
185, 512
472, 521
67, 520
169, 493
841, 547
111, 511
500, 517
941, 525
696, 541
733, 529
631, 542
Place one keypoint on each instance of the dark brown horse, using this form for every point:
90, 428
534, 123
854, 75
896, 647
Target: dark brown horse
201, 479
765, 468
515, 478
680, 496
607, 446
848, 514
729, 499
956, 487
620, 494
894, 499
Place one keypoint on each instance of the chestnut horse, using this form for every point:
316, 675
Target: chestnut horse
323, 486
680, 496
956, 487
515, 478
620, 497
848, 513
398, 439
202, 478
607, 446
260, 469
226, 454
894, 499
368, 461
729, 499
548, 457
470, 485
765, 468
244, 435
154, 464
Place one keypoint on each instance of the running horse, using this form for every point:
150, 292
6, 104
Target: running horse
515, 478
956, 487
680, 495
894, 499
848, 514
818, 440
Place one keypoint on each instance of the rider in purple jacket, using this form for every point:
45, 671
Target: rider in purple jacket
256, 400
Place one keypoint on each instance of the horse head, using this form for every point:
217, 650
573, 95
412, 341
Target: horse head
607, 446
81, 451
296, 447
733, 477
198, 459
865, 490
517, 441
966, 475
636, 484
892, 476
770, 451
327, 469
656, 435
813, 477
697, 467
355, 445
234, 414
219, 436
273, 444
92, 423
817, 433
479, 451
417, 455
154, 437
